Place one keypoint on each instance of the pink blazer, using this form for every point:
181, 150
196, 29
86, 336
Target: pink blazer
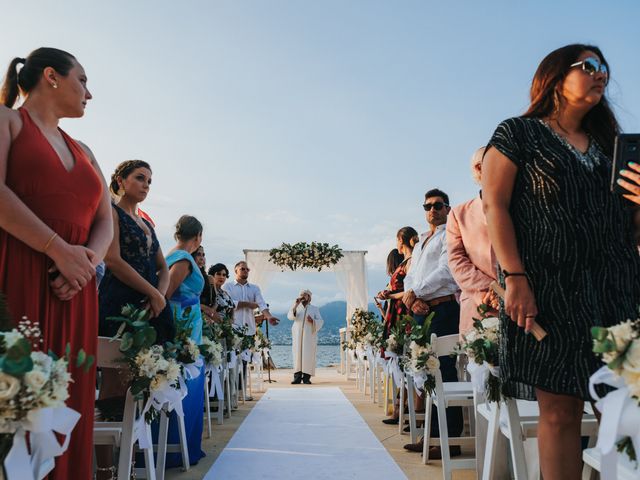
471, 258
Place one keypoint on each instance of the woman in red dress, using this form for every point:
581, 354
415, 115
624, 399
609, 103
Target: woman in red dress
55, 224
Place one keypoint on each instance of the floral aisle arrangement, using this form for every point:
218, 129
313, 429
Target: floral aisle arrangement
305, 255
394, 348
362, 331
212, 352
620, 423
153, 370
420, 360
33, 391
481, 346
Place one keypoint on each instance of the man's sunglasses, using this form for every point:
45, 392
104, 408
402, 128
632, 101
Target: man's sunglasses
435, 205
592, 66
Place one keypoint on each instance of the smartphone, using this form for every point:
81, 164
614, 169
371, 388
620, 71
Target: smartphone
626, 149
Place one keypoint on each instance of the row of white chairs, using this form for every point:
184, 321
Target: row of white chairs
122, 435
496, 430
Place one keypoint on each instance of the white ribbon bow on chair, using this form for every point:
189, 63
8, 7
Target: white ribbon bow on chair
43, 424
620, 418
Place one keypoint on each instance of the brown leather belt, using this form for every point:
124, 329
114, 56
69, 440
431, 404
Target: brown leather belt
437, 301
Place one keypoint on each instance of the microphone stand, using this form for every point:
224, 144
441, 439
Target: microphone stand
269, 360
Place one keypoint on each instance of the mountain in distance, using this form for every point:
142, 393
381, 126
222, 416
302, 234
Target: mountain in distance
334, 315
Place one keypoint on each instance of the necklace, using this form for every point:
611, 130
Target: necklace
589, 159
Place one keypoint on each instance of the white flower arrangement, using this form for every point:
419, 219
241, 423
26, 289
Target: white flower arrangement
152, 368
30, 380
211, 351
303, 255
620, 349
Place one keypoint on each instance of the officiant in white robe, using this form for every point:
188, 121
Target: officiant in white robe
304, 337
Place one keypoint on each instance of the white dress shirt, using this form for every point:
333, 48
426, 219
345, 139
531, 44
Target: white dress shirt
429, 276
245, 293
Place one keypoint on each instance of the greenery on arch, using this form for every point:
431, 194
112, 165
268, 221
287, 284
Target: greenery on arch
314, 255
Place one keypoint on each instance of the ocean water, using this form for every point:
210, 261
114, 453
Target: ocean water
326, 355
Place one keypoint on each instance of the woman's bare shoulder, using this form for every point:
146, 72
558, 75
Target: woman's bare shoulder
10, 119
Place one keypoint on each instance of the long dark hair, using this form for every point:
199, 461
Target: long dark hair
394, 259
31, 72
599, 122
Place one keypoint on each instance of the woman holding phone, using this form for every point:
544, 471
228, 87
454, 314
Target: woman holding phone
564, 244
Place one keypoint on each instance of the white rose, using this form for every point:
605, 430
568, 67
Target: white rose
35, 380
10, 338
632, 358
490, 323
9, 386
433, 364
623, 334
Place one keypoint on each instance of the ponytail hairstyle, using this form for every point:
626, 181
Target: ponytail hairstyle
27, 78
123, 171
408, 236
600, 122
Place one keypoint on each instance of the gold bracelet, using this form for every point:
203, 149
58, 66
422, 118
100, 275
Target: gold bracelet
48, 244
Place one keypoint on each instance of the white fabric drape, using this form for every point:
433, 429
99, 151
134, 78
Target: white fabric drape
351, 275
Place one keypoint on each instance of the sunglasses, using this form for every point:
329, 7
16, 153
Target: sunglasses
435, 205
591, 66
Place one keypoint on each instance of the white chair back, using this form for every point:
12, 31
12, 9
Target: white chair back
109, 353
444, 346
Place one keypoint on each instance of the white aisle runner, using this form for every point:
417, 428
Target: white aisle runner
306, 434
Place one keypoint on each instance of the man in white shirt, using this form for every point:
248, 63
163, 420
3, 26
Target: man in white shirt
246, 297
430, 287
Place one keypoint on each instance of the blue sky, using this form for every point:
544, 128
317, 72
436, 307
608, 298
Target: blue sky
290, 121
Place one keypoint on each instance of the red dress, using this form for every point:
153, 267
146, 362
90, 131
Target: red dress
395, 308
67, 202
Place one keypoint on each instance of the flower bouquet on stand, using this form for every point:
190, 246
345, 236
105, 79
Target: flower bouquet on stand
619, 431
420, 360
153, 371
481, 346
33, 391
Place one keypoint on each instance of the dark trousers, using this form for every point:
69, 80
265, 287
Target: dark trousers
298, 376
445, 322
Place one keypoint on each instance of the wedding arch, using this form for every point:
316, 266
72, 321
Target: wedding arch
350, 270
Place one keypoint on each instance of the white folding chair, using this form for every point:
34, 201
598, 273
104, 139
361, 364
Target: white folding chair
518, 423
120, 434
414, 416
447, 394
626, 469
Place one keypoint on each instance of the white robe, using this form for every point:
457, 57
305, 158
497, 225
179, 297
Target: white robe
304, 337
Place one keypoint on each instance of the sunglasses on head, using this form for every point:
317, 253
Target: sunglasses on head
435, 205
592, 66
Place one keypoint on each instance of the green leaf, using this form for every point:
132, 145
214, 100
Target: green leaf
88, 363
17, 361
82, 356
127, 342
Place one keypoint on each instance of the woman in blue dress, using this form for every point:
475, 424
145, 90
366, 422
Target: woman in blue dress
185, 285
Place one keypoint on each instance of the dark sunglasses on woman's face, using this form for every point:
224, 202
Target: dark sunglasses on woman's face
436, 205
592, 66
